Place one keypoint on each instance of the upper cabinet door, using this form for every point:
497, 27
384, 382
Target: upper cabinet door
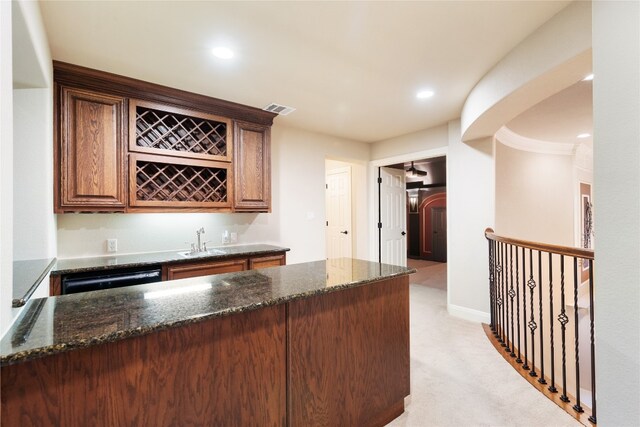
252, 163
90, 152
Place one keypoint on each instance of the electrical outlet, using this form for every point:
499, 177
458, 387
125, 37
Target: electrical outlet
225, 237
112, 245
234, 237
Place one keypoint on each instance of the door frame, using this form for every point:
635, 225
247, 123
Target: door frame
373, 190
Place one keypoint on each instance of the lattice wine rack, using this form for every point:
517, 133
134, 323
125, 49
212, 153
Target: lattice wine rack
178, 158
177, 183
178, 132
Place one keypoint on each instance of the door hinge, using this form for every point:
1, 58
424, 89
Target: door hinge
326, 186
379, 180
327, 223
379, 225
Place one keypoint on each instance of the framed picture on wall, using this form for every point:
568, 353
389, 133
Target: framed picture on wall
586, 226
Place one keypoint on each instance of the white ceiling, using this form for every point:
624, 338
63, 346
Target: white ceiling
350, 68
559, 118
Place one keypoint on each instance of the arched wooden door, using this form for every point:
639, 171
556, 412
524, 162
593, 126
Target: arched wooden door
433, 227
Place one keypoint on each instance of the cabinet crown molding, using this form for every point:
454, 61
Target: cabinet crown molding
87, 78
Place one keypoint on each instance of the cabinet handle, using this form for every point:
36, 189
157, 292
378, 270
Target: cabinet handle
403, 233
344, 232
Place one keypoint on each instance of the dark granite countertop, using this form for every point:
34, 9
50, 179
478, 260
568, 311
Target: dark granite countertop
57, 324
27, 275
78, 265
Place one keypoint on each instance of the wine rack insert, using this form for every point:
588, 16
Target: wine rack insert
170, 131
158, 181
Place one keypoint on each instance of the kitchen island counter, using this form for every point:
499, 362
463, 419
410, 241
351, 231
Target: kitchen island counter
56, 324
318, 343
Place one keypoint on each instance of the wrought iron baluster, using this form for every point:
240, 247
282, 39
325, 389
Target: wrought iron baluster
524, 308
496, 247
541, 380
563, 319
504, 293
593, 417
511, 294
501, 293
532, 323
552, 387
494, 277
577, 406
491, 296
518, 359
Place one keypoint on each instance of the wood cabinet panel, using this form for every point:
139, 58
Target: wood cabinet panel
183, 271
267, 261
348, 355
90, 151
228, 371
252, 161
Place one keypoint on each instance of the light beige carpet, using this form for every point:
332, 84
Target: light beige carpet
457, 377
433, 275
420, 263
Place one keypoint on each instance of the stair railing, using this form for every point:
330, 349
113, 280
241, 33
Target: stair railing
542, 318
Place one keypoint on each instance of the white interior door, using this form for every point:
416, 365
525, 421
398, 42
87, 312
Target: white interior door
338, 205
393, 214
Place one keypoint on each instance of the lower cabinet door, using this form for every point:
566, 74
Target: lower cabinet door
184, 271
267, 261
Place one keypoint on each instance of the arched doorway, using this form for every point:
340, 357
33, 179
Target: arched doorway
433, 227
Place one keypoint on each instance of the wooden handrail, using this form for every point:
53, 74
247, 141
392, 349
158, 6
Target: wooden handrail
556, 249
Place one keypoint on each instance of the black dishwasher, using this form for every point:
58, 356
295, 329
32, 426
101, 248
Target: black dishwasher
93, 281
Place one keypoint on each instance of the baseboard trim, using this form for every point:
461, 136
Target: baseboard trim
468, 313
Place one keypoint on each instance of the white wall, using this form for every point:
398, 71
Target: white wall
359, 204
27, 224
616, 108
470, 209
552, 58
6, 167
296, 221
34, 223
84, 235
427, 139
299, 170
534, 196
34, 227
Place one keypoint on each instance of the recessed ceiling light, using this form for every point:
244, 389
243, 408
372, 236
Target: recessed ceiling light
424, 94
584, 135
588, 78
222, 52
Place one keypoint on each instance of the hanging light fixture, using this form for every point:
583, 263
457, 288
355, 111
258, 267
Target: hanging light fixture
415, 173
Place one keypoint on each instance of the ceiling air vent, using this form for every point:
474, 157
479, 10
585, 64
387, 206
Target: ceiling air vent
282, 110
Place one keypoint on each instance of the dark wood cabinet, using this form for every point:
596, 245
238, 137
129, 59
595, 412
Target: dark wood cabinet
184, 271
132, 146
252, 163
267, 261
348, 356
194, 269
227, 371
90, 151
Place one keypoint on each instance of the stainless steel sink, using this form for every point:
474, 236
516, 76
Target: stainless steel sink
208, 252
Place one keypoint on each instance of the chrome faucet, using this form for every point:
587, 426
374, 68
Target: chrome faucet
199, 232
